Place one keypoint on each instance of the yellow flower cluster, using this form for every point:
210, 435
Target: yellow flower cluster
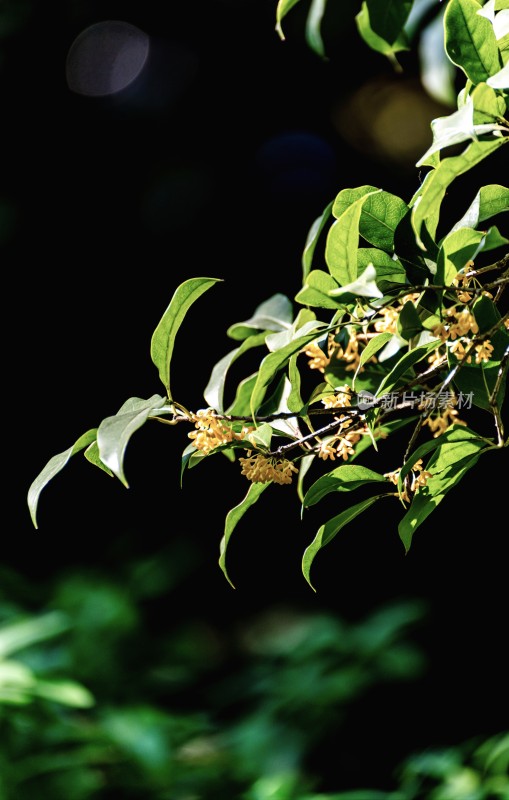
440, 422
341, 398
261, 469
419, 477
463, 324
213, 431
351, 354
341, 446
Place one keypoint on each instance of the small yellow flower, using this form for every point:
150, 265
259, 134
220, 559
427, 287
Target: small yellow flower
260, 469
483, 351
341, 398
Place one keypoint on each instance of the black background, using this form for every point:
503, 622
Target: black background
214, 162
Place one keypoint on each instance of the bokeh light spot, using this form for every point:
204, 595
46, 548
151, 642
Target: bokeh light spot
106, 57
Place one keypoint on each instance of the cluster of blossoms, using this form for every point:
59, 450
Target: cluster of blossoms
212, 431
351, 354
419, 477
439, 422
341, 444
386, 320
458, 327
263, 469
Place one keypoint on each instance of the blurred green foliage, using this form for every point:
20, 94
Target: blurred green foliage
98, 701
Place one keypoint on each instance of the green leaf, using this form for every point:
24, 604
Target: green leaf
372, 347
163, 338
283, 7
381, 213
406, 362
375, 42
114, 433
315, 291
18, 635
489, 201
312, 240
271, 365
93, 457
214, 391
456, 250
427, 202
470, 40
263, 435
329, 530
294, 401
67, 693
388, 18
450, 462
233, 518
52, 468
241, 406
389, 271
409, 323
455, 434
363, 286
274, 314
313, 23
345, 478
343, 241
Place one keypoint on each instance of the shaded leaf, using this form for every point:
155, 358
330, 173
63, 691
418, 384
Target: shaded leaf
329, 530
233, 518
52, 468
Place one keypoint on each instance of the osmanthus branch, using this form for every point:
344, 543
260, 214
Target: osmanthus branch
492, 400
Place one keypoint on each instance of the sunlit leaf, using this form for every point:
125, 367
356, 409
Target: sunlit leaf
389, 271
283, 7
163, 338
53, 467
470, 40
489, 201
274, 314
313, 23
343, 241
345, 478
405, 363
315, 291
114, 433
428, 201
449, 463
363, 286
17, 635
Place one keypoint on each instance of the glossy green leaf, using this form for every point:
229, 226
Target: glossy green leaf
345, 478
470, 40
388, 18
312, 240
93, 457
329, 530
448, 464
274, 314
233, 518
52, 468
262, 435
372, 347
490, 200
114, 433
295, 402
456, 250
428, 201
342, 243
487, 104
282, 9
275, 341
163, 338
271, 365
214, 391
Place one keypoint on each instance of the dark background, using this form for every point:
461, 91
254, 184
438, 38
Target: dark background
215, 162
